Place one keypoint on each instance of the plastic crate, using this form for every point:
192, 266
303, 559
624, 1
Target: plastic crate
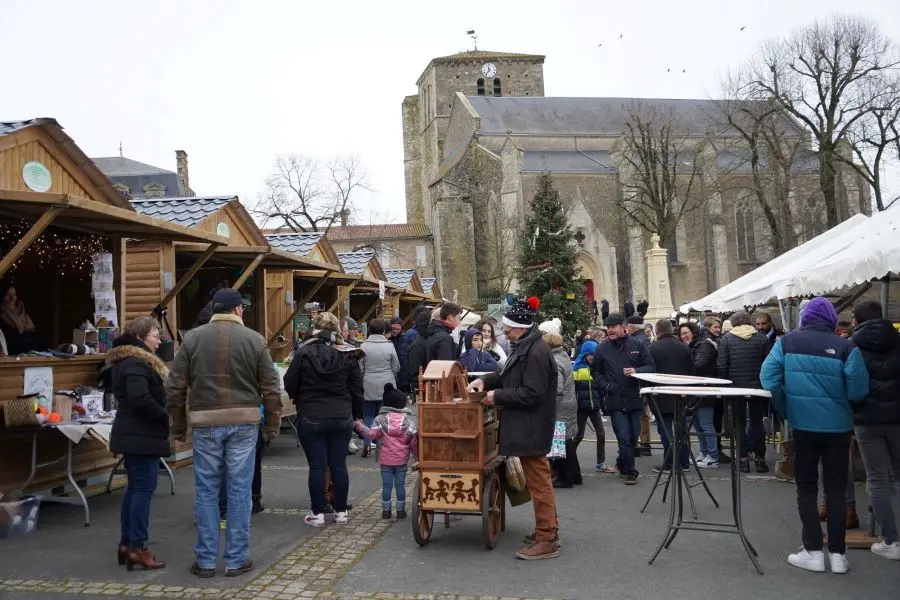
19, 518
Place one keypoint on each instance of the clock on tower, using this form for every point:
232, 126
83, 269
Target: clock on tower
489, 70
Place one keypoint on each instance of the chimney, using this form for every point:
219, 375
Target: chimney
181, 162
345, 215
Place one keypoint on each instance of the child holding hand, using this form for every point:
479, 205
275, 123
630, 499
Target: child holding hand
397, 432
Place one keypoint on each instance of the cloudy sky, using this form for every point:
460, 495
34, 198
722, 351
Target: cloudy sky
236, 82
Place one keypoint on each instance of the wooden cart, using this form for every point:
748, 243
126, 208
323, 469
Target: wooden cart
460, 470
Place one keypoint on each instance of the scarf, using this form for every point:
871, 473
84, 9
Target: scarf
16, 317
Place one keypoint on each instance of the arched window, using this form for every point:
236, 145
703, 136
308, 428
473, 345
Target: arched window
497, 86
745, 234
479, 89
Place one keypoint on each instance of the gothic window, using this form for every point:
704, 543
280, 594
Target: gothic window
497, 86
479, 88
745, 234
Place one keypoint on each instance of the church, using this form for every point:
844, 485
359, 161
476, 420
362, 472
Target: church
479, 132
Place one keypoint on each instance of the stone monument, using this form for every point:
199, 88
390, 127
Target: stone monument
659, 294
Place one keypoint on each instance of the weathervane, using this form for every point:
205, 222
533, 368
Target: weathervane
471, 34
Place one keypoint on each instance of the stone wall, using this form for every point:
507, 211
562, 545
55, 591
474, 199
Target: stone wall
518, 77
455, 245
402, 254
412, 165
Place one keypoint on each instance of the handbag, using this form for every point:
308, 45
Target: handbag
558, 447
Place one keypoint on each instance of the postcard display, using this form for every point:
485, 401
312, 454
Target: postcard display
106, 316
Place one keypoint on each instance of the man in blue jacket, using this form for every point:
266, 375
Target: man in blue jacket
813, 376
614, 364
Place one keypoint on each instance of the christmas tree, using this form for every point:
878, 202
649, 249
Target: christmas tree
547, 266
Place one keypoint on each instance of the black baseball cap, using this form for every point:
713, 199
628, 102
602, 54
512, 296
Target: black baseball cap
227, 299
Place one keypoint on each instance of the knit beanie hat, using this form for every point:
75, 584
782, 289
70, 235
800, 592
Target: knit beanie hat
552, 326
820, 310
521, 314
393, 398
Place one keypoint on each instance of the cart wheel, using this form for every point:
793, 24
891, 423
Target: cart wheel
492, 509
422, 520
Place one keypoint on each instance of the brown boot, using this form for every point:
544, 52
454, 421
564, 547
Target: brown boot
852, 518
538, 551
143, 558
823, 513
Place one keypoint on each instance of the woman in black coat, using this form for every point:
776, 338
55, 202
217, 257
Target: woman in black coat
140, 432
704, 352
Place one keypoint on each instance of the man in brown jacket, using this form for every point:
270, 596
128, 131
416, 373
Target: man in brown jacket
219, 375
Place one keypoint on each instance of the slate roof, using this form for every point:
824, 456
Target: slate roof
296, 243
485, 55
738, 161
387, 231
400, 277
589, 116
7, 127
427, 284
135, 175
568, 161
182, 211
355, 263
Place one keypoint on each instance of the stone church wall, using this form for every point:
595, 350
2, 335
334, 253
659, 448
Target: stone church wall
412, 161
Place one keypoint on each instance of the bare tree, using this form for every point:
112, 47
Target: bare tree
503, 244
824, 75
302, 194
662, 166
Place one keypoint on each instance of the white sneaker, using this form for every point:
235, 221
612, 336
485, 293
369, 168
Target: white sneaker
839, 563
314, 520
811, 561
352, 448
709, 463
604, 419
889, 551
702, 458
342, 518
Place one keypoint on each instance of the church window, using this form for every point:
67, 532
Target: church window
479, 87
385, 258
421, 259
746, 236
497, 86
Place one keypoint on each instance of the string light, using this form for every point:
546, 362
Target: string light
66, 253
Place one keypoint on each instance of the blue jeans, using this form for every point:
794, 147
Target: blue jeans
325, 445
703, 423
370, 411
223, 451
393, 477
143, 472
627, 427
665, 425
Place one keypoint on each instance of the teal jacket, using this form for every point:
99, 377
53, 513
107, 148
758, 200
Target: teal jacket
814, 376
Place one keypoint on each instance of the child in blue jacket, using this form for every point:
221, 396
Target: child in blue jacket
590, 401
476, 359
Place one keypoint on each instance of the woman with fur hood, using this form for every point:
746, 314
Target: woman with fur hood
140, 432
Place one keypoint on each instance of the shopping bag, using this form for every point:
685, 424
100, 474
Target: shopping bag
558, 447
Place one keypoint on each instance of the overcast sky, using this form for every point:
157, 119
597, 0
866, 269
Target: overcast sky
236, 82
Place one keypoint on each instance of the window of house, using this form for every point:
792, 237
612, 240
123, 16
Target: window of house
421, 259
479, 87
385, 258
745, 234
497, 86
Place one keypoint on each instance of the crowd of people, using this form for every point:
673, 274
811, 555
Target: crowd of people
224, 384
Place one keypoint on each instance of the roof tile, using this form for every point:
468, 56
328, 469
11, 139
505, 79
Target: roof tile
7, 127
355, 263
427, 284
181, 211
400, 277
297, 243
387, 231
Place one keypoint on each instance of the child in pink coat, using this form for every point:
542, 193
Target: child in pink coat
398, 440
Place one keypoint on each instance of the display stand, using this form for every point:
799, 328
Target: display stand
737, 398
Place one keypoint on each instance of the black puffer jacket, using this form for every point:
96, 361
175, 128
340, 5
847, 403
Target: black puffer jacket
879, 343
741, 355
418, 350
608, 369
440, 344
324, 379
672, 357
142, 422
704, 352
526, 391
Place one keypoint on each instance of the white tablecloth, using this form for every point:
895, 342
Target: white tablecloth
77, 431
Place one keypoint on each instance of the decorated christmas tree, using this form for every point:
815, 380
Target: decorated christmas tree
547, 266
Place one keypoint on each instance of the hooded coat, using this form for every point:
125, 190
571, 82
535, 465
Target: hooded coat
704, 352
397, 432
325, 380
741, 354
141, 426
879, 343
672, 357
587, 394
418, 348
441, 345
526, 391
566, 404
380, 365
476, 361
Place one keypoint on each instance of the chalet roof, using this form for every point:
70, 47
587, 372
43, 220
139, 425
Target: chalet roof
355, 263
427, 284
183, 211
297, 243
590, 116
387, 231
568, 161
7, 127
400, 277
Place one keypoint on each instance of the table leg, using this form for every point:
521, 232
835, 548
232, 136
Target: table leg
113, 474
33, 471
84, 502
696, 468
170, 474
736, 490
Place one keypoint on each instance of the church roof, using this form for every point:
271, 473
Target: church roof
568, 161
386, 231
587, 116
486, 55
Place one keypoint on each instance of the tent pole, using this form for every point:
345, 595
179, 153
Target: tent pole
885, 295
849, 300
785, 314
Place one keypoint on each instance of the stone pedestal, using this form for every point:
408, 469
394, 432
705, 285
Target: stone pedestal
659, 294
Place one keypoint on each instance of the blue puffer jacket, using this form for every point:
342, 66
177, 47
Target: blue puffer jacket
589, 396
813, 376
